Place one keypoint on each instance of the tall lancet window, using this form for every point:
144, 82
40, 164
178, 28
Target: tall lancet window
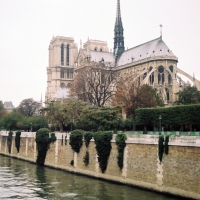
62, 54
67, 55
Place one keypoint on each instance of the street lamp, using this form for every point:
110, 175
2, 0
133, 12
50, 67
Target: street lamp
31, 127
160, 118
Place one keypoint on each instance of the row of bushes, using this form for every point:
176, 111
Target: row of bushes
103, 146
172, 117
102, 141
17, 141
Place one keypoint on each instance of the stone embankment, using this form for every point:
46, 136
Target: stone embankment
177, 174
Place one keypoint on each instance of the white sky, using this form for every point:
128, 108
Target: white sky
27, 26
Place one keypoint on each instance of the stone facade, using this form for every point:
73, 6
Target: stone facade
152, 63
62, 56
178, 173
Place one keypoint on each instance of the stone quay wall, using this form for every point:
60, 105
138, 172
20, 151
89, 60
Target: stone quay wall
178, 174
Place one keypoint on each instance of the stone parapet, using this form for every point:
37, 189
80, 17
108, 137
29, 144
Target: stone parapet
177, 174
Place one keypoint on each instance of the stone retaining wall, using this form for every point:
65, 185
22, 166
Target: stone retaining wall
178, 174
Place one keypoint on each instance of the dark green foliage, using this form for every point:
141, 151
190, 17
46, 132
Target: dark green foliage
11, 120
76, 140
160, 147
87, 137
72, 163
17, 121
174, 116
103, 147
43, 141
105, 118
86, 158
166, 144
189, 95
62, 140
145, 130
128, 124
17, 140
2, 110
121, 144
53, 137
9, 141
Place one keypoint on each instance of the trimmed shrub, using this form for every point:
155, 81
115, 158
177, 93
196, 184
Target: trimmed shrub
121, 144
166, 145
87, 137
17, 140
76, 140
43, 141
9, 141
53, 137
145, 130
103, 147
160, 147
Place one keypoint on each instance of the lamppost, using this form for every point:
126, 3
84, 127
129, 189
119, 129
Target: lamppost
31, 127
160, 118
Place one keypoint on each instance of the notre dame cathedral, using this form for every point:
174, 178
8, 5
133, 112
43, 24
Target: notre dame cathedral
152, 63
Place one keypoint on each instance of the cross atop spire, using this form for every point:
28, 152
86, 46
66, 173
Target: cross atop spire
118, 34
161, 30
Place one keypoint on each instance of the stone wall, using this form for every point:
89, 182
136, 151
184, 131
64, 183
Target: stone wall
178, 174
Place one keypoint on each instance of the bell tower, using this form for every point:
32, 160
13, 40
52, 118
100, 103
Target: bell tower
118, 34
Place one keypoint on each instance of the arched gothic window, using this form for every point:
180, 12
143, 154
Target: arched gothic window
62, 85
161, 76
67, 55
62, 54
151, 78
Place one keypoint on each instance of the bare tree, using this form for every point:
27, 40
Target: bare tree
95, 83
133, 95
28, 107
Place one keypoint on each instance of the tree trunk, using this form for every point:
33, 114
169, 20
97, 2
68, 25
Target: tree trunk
61, 128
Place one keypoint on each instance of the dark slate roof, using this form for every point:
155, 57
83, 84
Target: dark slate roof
149, 49
8, 104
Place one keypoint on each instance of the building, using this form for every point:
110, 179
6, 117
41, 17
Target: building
152, 63
8, 105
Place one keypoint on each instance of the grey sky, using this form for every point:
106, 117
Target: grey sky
27, 26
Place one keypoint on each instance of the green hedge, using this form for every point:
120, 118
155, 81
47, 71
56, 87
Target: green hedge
175, 115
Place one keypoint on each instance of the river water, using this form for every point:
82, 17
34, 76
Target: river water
24, 180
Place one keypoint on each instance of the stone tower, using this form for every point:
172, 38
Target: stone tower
62, 55
118, 34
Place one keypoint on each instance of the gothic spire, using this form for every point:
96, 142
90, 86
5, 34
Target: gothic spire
118, 34
118, 15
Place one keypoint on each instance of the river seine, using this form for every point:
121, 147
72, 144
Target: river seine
24, 180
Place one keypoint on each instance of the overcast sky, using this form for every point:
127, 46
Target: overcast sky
27, 26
